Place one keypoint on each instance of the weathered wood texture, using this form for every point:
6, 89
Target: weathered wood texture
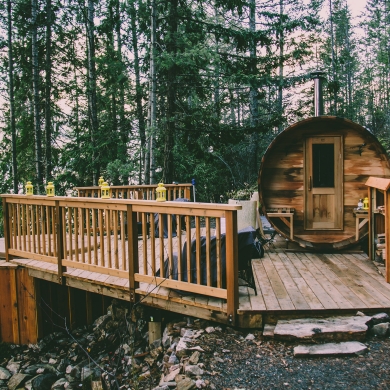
305, 282
87, 235
282, 184
18, 303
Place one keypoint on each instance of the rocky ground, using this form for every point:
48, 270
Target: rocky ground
115, 354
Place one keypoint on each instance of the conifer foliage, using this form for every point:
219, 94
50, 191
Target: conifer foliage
141, 90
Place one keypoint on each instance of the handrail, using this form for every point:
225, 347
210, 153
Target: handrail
144, 191
125, 238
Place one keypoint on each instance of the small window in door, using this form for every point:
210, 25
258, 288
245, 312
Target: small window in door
323, 165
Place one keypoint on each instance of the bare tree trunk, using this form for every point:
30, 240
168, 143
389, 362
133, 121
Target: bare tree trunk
217, 106
48, 124
170, 126
12, 99
281, 63
150, 169
254, 103
123, 130
92, 99
333, 59
138, 88
37, 117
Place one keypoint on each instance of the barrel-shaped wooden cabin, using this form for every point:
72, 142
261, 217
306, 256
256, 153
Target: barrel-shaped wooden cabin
315, 172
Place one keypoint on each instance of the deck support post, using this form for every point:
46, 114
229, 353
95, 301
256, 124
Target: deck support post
132, 230
387, 232
6, 225
231, 266
59, 237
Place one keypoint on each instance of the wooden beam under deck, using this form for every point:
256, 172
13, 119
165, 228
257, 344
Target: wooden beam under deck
289, 284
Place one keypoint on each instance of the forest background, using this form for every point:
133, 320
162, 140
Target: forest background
142, 91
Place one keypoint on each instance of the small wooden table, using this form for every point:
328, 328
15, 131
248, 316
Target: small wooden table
362, 218
283, 216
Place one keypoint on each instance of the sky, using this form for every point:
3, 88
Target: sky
356, 6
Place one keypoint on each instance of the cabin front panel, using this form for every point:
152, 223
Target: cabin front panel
284, 179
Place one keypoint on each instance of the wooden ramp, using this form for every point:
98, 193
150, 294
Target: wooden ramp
298, 283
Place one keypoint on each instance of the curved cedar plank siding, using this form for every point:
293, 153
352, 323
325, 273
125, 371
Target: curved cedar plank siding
282, 176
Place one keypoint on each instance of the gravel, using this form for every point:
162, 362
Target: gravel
263, 364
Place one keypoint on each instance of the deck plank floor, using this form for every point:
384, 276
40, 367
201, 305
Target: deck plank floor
319, 282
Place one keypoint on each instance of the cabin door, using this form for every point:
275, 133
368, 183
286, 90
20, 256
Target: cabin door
323, 183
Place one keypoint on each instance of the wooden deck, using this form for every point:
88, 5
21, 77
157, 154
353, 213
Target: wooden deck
289, 284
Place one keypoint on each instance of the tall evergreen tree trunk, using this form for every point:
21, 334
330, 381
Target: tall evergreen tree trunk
253, 56
254, 103
170, 126
92, 99
12, 99
281, 63
150, 169
217, 73
48, 124
138, 88
115, 146
37, 116
334, 75
123, 131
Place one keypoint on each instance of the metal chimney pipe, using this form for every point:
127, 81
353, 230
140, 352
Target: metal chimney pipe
318, 76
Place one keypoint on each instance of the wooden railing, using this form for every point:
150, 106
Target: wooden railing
145, 192
105, 236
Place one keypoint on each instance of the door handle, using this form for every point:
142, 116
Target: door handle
310, 183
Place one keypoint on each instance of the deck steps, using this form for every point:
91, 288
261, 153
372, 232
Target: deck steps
338, 328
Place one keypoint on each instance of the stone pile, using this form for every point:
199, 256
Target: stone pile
341, 335
115, 353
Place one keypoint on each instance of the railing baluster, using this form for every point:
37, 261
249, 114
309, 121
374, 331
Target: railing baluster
153, 242
28, 216
198, 250
48, 231
95, 236
218, 250
108, 230
14, 226
82, 233
145, 247
88, 212
179, 246
76, 233
116, 227
170, 246
123, 241
72, 232
101, 235
24, 227
161, 242
208, 250
189, 242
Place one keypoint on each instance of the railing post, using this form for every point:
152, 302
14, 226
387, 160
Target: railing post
132, 243
6, 225
60, 244
232, 265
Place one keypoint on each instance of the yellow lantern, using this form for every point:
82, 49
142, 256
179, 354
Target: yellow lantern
365, 203
50, 189
100, 181
105, 191
29, 188
161, 193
